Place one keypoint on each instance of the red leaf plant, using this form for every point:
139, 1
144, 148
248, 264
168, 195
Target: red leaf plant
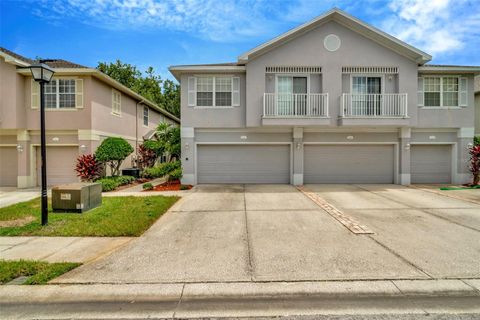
146, 157
88, 168
475, 164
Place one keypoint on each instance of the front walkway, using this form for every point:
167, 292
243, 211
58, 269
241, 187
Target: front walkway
256, 233
59, 249
12, 195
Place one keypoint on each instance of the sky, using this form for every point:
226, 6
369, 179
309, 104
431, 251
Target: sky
160, 33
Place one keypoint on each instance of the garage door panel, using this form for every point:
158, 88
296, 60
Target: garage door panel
8, 166
431, 163
349, 164
60, 165
243, 164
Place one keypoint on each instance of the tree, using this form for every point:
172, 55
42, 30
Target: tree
169, 138
164, 93
113, 151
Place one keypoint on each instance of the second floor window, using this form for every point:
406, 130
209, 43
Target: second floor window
444, 91
145, 116
214, 91
116, 102
60, 94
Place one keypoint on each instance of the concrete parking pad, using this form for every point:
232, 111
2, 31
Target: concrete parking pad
306, 245
276, 197
181, 247
213, 198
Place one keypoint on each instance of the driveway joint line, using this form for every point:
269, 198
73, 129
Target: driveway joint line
179, 302
401, 257
443, 194
249, 251
468, 284
424, 210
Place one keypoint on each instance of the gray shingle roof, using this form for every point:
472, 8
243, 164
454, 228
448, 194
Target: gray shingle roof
53, 63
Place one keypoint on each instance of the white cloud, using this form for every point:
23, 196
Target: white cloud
435, 26
216, 20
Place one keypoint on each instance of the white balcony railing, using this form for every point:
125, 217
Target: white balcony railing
288, 105
387, 105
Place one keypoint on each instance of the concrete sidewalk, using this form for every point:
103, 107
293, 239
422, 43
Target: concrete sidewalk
59, 249
239, 299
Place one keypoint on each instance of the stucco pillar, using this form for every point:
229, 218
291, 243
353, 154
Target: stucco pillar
464, 141
404, 155
188, 154
298, 156
25, 173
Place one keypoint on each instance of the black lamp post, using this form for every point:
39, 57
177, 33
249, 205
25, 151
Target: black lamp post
42, 74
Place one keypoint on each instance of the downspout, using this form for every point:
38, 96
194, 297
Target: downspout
136, 132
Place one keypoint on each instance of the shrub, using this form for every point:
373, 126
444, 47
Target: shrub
475, 164
88, 168
184, 187
108, 184
476, 140
113, 151
112, 183
161, 170
147, 186
146, 156
175, 174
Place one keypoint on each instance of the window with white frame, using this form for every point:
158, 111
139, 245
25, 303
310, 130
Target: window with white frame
214, 91
116, 102
145, 116
444, 91
60, 94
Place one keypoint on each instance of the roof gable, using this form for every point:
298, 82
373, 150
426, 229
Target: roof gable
351, 23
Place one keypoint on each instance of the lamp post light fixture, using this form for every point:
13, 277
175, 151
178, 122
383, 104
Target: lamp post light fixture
42, 74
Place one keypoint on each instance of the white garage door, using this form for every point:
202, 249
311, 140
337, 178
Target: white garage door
243, 164
348, 164
60, 165
431, 163
8, 166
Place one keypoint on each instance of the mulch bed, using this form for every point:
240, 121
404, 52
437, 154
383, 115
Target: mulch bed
171, 186
133, 184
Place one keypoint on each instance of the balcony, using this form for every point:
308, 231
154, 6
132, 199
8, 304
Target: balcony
373, 109
295, 109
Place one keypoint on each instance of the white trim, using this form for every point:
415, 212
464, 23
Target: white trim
116, 111
396, 153
441, 106
368, 75
462, 69
195, 152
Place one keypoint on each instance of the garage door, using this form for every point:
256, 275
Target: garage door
8, 166
348, 164
431, 163
60, 165
243, 164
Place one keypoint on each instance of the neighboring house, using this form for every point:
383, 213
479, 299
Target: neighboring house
334, 100
477, 106
83, 106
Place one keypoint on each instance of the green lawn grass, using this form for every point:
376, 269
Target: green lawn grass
38, 272
116, 217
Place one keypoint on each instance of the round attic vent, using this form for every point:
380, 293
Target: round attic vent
332, 42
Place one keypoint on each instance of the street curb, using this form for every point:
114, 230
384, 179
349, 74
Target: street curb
58, 293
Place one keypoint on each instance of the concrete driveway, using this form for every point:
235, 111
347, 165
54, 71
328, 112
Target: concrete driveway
275, 233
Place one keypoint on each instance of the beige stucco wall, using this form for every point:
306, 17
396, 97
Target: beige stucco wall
12, 99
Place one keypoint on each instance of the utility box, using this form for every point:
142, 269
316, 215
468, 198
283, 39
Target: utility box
76, 197
134, 172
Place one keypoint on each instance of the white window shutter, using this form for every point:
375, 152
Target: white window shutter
192, 94
462, 92
35, 88
78, 93
236, 91
420, 92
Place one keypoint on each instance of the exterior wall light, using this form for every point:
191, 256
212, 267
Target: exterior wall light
19, 148
83, 148
349, 137
407, 146
299, 145
187, 146
432, 137
55, 139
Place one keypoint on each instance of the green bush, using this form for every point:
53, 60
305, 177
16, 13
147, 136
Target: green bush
108, 184
112, 183
147, 186
161, 170
184, 187
476, 140
113, 151
175, 174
